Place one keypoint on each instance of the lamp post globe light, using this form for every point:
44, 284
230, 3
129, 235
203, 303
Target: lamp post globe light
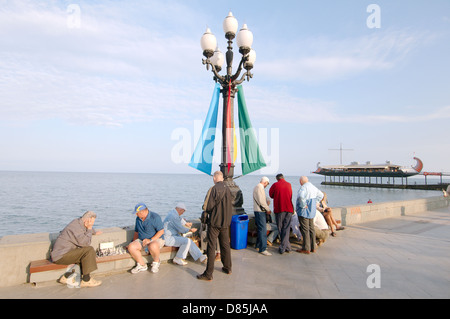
229, 82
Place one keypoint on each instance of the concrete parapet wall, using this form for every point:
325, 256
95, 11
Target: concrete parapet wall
350, 215
17, 251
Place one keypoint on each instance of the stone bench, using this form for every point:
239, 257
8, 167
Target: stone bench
41, 269
46, 265
44, 270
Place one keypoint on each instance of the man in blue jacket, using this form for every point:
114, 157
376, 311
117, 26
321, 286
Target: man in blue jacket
307, 197
173, 230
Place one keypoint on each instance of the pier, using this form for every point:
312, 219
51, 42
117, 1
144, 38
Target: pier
437, 187
408, 241
387, 182
395, 176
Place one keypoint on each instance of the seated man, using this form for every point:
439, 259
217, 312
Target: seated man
272, 228
173, 227
295, 227
320, 228
148, 234
73, 247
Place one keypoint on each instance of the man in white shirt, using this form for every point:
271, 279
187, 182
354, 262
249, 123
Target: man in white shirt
261, 209
320, 228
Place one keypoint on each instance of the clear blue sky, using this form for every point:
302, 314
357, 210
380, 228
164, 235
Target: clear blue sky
109, 87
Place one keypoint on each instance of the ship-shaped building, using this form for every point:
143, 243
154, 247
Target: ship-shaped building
370, 170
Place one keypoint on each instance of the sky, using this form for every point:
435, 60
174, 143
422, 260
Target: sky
119, 86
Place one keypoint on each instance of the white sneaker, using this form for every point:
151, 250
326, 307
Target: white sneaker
203, 259
265, 253
139, 268
179, 261
155, 266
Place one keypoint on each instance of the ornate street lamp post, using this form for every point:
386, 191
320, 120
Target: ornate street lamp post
228, 82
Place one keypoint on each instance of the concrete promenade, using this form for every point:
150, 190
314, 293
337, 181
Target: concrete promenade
412, 253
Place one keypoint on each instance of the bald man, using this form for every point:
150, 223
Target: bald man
307, 194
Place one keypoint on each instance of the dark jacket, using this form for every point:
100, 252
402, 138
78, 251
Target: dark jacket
220, 206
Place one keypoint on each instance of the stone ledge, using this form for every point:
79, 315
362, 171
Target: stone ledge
44, 270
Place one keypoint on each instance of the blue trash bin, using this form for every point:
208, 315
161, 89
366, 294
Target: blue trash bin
239, 230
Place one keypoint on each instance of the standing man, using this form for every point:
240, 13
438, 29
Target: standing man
204, 230
262, 212
281, 192
308, 195
148, 234
73, 246
220, 209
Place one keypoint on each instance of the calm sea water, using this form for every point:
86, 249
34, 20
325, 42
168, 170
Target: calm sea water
35, 202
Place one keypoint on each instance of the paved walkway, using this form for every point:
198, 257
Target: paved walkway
412, 252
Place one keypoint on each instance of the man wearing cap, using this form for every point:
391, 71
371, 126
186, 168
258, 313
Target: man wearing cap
173, 227
148, 234
261, 209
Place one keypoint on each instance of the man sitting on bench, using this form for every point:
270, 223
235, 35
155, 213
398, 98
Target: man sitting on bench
148, 235
73, 247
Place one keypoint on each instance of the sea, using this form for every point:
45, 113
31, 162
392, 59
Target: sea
45, 202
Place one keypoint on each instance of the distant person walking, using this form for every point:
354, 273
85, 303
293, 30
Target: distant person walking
281, 192
220, 209
306, 207
73, 246
262, 214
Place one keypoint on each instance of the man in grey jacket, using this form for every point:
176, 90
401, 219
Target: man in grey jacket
73, 247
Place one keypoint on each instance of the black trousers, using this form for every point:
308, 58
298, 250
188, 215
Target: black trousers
223, 235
